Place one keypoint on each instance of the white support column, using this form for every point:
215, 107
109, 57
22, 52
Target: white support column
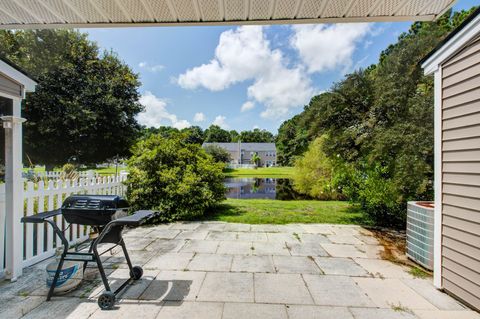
13, 192
438, 187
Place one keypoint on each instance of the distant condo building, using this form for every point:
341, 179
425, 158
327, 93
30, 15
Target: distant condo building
241, 153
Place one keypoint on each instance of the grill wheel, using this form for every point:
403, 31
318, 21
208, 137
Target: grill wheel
136, 273
106, 300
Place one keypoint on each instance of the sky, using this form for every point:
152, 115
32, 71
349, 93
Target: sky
243, 77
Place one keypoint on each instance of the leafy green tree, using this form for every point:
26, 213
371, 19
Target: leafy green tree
343, 114
292, 141
234, 136
194, 134
85, 104
175, 177
164, 131
314, 171
378, 124
255, 159
256, 136
215, 134
218, 154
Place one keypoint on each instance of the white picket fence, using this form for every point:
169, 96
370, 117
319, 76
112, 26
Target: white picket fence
58, 174
39, 241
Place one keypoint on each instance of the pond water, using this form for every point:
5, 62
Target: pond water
261, 188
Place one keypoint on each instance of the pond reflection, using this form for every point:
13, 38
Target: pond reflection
261, 188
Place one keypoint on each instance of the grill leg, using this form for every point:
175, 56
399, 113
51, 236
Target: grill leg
127, 257
99, 264
55, 279
60, 263
100, 238
89, 251
100, 268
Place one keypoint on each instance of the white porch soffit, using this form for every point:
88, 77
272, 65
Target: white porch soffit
16, 14
13, 73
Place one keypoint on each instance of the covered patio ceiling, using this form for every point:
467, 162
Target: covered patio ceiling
20, 14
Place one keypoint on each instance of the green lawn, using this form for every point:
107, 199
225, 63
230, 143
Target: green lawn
264, 211
40, 169
109, 170
273, 172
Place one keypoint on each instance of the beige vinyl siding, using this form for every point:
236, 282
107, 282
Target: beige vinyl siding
9, 86
459, 178
461, 110
461, 213
461, 174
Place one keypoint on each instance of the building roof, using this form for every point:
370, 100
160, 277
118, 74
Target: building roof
16, 67
15, 73
249, 147
452, 34
453, 43
16, 14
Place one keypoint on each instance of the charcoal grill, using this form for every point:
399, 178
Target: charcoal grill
94, 210
107, 214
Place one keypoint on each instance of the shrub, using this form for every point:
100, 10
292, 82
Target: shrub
68, 168
219, 154
313, 173
370, 185
173, 176
69, 172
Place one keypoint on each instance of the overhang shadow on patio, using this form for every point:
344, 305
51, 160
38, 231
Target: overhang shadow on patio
147, 290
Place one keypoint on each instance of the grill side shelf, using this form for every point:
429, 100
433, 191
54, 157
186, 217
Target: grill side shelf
41, 217
138, 218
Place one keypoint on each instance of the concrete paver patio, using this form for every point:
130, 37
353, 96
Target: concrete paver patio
224, 271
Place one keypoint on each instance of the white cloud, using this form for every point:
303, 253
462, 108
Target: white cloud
156, 111
281, 90
199, 117
327, 47
220, 121
241, 54
151, 68
245, 54
247, 106
367, 44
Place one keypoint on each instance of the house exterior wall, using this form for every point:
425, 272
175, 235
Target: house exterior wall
460, 179
10, 87
234, 156
241, 153
266, 158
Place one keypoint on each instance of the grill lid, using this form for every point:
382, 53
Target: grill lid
94, 202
